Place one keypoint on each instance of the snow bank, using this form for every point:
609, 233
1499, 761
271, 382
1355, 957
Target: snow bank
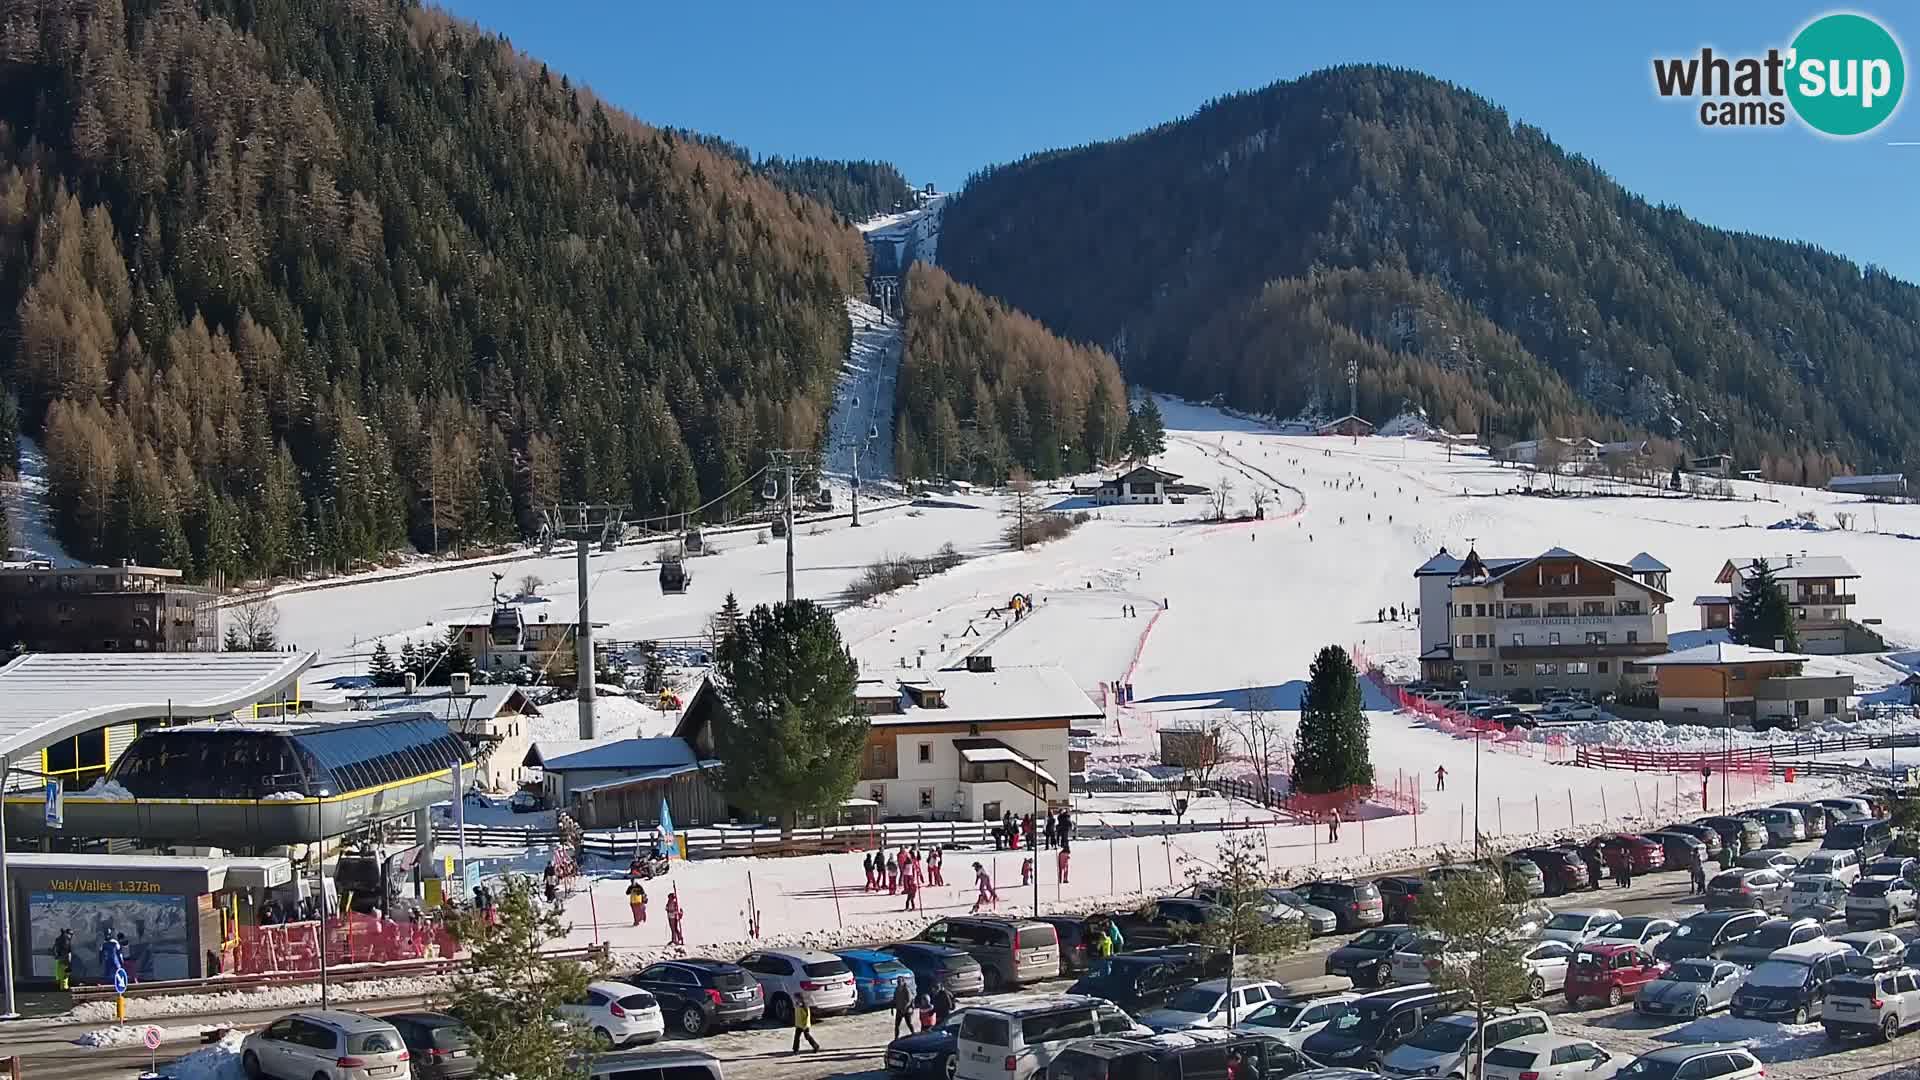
1758, 1034
221, 1061
129, 1034
283, 796
107, 789
267, 997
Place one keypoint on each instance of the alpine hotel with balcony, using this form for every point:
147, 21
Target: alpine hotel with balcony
1557, 619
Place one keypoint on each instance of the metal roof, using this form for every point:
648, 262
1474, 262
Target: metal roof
45, 697
1719, 652
567, 755
1793, 567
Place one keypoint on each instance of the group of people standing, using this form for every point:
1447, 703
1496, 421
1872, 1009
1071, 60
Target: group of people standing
904, 871
932, 1009
1058, 829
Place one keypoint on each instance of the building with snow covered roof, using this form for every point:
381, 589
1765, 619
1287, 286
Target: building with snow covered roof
607, 783
1555, 620
1758, 686
1140, 484
1350, 426
1821, 590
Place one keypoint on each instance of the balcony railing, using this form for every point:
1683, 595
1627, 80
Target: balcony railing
1582, 651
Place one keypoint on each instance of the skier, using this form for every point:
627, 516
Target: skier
674, 915
983, 887
1440, 778
912, 889
637, 900
902, 1006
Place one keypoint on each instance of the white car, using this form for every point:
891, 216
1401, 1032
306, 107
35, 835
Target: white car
1411, 964
324, 1044
1866, 1004
1206, 1005
1547, 965
1291, 1022
1441, 1047
1881, 901
1818, 896
824, 978
1576, 925
1551, 1057
616, 1014
1643, 930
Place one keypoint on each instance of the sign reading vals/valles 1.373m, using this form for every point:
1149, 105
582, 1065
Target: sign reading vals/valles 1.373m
1842, 75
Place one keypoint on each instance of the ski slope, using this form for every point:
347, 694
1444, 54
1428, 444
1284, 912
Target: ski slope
862, 422
24, 502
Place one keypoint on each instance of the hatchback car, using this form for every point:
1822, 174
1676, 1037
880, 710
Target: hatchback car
1709, 837
1768, 859
1762, 890
1523, 877
697, 995
1546, 965
1643, 930
1562, 870
1551, 1057
1414, 962
439, 1047
1399, 896
938, 965
1292, 1022
1368, 959
1576, 925
1441, 1047
1700, 1061
1356, 904
1286, 905
1610, 973
1216, 1003
1680, 848
823, 977
875, 974
325, 1044
1691, 988
1708, 934
616, 1014
1881, 901
1751, 834
1645, 856
1815, 896
1874, 950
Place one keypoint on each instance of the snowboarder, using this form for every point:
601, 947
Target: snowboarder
902, 1007
803, 1021
674, 915
637, 900
1440, 777
63, 959
1061, 861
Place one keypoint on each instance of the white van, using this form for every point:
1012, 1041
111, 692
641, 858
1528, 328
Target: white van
1015, 1035
1841, 864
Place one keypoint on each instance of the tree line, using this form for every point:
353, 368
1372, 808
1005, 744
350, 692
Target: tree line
1384, 216
296, 283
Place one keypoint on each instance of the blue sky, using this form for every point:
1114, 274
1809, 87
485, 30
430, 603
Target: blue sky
941, 90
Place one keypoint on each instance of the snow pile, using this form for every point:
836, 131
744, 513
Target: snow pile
107, 789
262, 998
1757, 1034
129, 1034
221, 1061
283, 796
614, 717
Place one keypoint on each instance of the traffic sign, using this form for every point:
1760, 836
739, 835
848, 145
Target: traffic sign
119, 980
151, 1037
56, 805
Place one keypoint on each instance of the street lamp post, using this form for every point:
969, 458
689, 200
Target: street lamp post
1476, 775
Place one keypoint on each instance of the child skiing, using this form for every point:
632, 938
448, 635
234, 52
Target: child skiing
983, 887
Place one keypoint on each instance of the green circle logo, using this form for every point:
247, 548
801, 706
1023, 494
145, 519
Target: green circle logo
1847, 75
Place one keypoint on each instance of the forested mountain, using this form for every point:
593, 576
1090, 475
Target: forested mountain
1471, 267
984, 388
297, 280
857, 190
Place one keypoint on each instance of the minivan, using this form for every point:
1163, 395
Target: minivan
1870, 837
325, 1044
1012, 952
1017, 1035
1791, 984
1376, 1023
1784, 824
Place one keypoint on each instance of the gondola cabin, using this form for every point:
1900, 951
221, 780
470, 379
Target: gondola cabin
779, 529
673, 574
693, 542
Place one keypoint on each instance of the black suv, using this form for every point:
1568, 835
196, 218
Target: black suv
1200, 1052
1164, 921
1375, 1024
699, 995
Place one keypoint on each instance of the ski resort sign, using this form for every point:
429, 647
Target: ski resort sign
1843, 75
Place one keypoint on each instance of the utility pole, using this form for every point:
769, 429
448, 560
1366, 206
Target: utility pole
585, 523
1353, 394
784, 461
872, 434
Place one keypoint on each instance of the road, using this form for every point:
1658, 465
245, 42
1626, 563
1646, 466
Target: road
851, 1046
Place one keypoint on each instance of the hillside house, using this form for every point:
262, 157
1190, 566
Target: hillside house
1352, 426
1142, 484
1877, 486
508, 641
1741, 683
1556, 619
1717, 465
1821, 590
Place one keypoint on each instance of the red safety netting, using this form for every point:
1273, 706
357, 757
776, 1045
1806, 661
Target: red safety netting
357, 939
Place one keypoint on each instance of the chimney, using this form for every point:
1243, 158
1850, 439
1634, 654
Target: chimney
459, 683
413, 683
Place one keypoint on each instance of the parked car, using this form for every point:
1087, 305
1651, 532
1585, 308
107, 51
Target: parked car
1414, 962
1791, 985
1523, 877
875, 974
654, 1062
1881, 901
1165, 921
325, 1044
1900, 866
1775, 933
1873, 950
1551, 1057
1769, 859
1679, 848
1012, 952
1762, 890
1020, 1035
1846, 808
1751, 834
1610, 972
1812, 815
1356, 904
1135, 982
1784, 824
1399, 896
937, 965
1871, 837
1562, 871
526, 801
1911, 958
1566, 712
1441, 1047
439, 1047
1645, 856
1708, 934
1287, 905
1699, 1061
1815, 896
1293, 1022
698, 995
1547, 964
1375, 1023
1866, 1004
1576, 925
1076, 951
783, 976
616, 1014
1191, 1053
1215, 1003
933, 1054
1707, 836
1693, 987
1440, 877
1843, 865
1643, 930
1368, 959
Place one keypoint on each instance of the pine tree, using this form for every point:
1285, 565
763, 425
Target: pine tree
454, 658
409, 660
1152, 433
232, 641
788, 736
653, 678
725, 621
1485, 948
510, 988
1331, 751
1762, 617
380, 666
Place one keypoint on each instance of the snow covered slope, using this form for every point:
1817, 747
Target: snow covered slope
862, 421
24, 501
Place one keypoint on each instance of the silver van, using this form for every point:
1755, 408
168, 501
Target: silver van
1012, 952
1784, 824
660, 1064
1014, 1036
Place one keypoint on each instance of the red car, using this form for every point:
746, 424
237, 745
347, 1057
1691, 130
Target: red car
1646, 855
1610, 973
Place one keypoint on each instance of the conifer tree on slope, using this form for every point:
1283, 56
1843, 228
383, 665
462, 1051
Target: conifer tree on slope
1761, 614
1330, 751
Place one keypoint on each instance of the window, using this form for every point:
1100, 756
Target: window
1487, 669
1602, 667
879, 755
981, 1027
1576, 667
926, 752
1546, 669
926, 798
1593, 607
1510, 670
1801, 708
1520, 611
1553, 637
1629, 607
1499, 611
1596, 637
1480, 610
1558, 607
1481, 641
1466, 641
1830, 706
1519, 639
1633, 637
